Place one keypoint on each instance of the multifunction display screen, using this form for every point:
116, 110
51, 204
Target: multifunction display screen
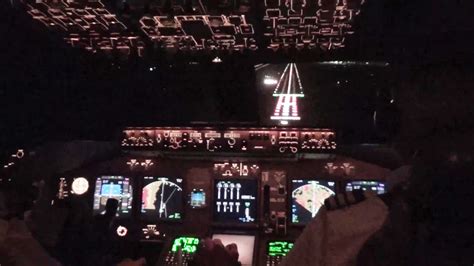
245, 245
307, 197
197, 198
162, 198
113, 187
235, 201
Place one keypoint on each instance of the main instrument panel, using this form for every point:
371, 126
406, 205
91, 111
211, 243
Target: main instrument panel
170, 199
262, 206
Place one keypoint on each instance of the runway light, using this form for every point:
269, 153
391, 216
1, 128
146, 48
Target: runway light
287, 105
270, 81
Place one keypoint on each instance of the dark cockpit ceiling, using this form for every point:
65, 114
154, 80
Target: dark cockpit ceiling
82, 85
262, 31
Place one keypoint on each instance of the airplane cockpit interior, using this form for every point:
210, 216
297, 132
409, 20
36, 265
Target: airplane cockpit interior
257, 188
149, 132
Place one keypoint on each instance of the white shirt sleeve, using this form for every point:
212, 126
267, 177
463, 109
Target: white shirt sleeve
336, 237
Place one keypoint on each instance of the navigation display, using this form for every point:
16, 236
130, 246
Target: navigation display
245, 245
307, 197
374, 186
185, 244
279, 248
116, 187
162, 198
235, 201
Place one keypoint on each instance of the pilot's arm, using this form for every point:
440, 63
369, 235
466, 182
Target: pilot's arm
339, 230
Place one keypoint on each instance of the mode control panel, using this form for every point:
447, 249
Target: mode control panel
237, 140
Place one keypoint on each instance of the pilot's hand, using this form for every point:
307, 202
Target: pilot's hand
213, 253
129, 262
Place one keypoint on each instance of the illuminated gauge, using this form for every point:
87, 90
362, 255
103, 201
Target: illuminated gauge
197, 199
122, 231
80, 186
231, 141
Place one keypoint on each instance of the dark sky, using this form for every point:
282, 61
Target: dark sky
50, 91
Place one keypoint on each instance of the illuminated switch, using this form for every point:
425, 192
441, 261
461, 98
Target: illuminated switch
238, 186
247, 210
232, 186
225, 190
245, 170
219, 186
